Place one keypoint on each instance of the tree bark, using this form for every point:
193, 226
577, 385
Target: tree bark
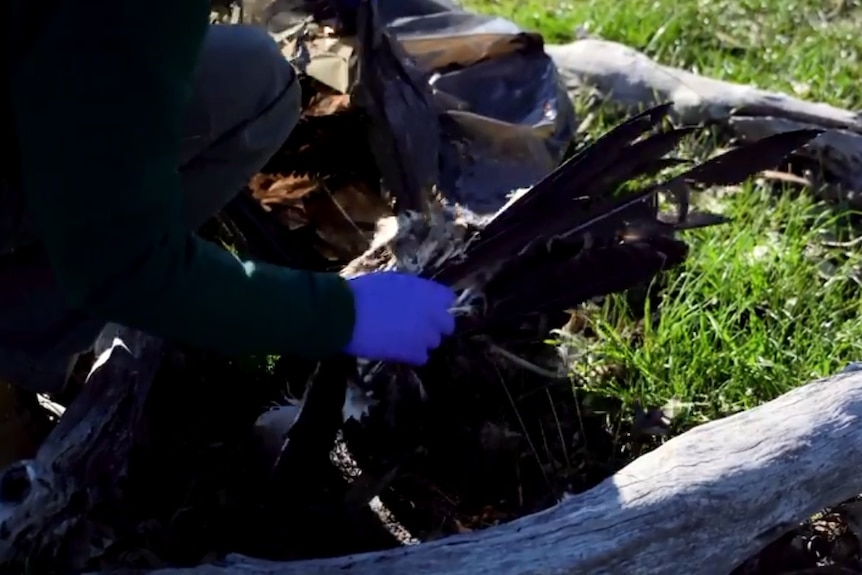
711, 497
630, 79
47, 504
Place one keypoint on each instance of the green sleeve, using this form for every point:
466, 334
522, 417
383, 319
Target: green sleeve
98, 102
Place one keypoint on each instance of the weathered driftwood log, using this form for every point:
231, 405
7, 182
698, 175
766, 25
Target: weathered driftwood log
714, 495
624, 76
60, 506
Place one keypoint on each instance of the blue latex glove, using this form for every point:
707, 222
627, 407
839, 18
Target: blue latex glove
399, 317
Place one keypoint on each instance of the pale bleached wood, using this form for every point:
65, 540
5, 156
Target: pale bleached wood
629, 78
709, 498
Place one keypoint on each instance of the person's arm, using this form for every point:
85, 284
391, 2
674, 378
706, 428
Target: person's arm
98, 102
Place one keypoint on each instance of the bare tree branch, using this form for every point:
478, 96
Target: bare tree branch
714, 495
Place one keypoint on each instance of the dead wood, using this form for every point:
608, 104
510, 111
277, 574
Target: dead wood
629, 78
58, 504
709, 495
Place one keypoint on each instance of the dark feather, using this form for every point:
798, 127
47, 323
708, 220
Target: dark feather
403, 126
695, 220
574, 198
738, 164
590, 228
313, 433
593, 226
585, 165
591, 273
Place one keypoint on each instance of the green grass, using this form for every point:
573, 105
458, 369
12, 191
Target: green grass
762, 305
811, 48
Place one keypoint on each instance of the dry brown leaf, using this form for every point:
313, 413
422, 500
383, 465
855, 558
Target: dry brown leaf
292, 217
332, 226
360, 203
323, 104
259, 183
276, 189
343, 218
291, 189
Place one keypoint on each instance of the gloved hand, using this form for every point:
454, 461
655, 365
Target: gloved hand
399, 317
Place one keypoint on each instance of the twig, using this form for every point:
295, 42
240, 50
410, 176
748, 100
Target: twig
521, 362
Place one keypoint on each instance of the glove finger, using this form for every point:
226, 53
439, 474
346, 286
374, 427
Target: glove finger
421, 359
442, 295
411, 351
415, 358
440, 322
433, 339
441, 316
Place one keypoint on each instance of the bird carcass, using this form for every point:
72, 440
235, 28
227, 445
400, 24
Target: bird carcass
590, 228
413, 93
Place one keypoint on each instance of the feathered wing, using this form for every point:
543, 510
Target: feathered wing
403, 125
590, 228
593, 227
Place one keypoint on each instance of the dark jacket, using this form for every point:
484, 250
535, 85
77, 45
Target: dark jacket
97, 100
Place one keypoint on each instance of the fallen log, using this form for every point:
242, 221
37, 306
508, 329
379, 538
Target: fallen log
631, 79
60, 506
714, 496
